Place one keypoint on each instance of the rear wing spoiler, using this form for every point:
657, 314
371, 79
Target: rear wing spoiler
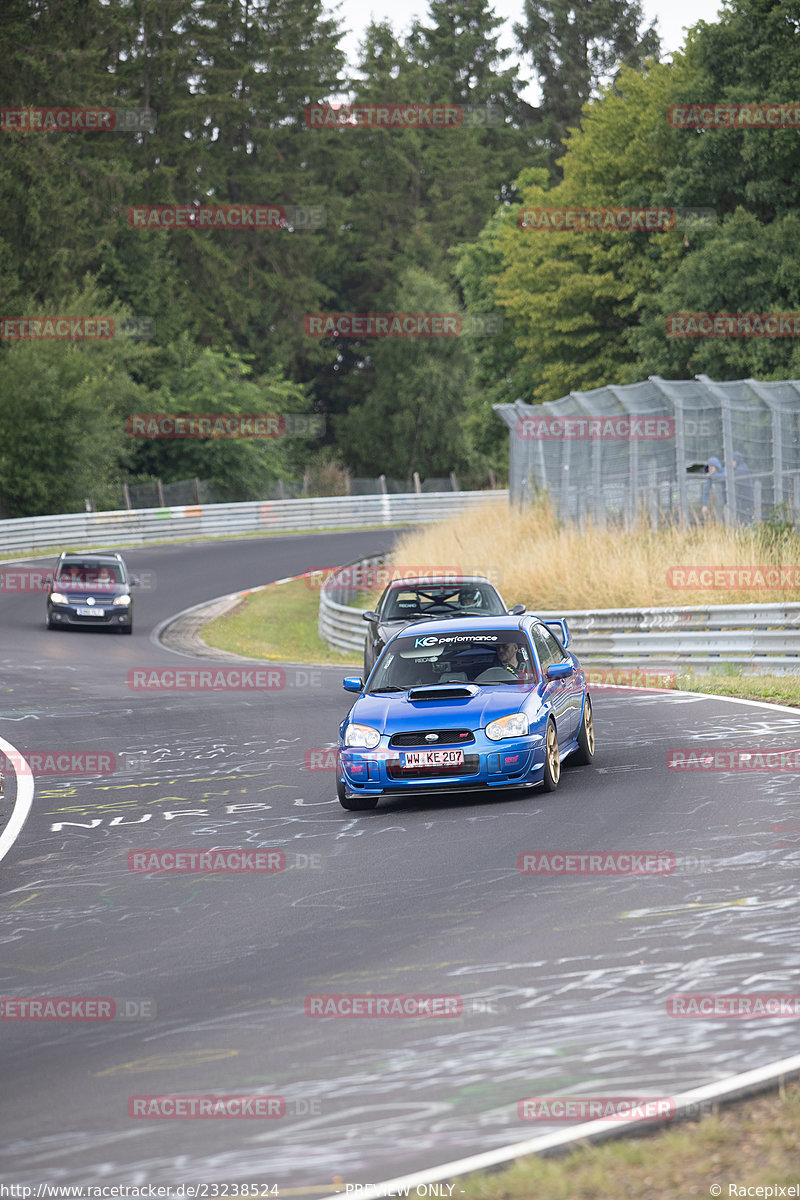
559, 628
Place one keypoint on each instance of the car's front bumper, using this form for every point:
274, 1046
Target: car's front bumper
112, 615
513, 762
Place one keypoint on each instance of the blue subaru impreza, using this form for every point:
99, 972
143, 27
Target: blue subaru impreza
449, 708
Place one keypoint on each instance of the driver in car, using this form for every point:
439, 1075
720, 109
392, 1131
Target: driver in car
508, 657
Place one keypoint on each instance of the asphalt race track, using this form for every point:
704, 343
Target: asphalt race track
563, 980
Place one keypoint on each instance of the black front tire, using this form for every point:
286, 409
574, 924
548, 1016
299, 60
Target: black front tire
126, 628
355, 803
552, 759
584, 755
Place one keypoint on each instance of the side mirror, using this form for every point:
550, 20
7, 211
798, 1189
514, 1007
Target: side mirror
134, 581
559, 670
353, 683
517, 610
370, 615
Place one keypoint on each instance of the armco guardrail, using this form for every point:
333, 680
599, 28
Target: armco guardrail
130, 527
766, 635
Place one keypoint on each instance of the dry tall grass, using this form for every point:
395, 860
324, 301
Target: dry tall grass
536, 560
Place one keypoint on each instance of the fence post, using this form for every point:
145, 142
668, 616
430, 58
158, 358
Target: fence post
160, 491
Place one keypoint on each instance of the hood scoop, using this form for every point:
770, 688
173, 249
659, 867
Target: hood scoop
459, 691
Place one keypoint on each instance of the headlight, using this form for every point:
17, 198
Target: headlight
361, 735
57, 598
514, 725
124, 599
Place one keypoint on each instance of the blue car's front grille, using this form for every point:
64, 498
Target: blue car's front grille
470, 766
444, 737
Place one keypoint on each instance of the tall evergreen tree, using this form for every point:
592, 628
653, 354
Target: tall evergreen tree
574, 47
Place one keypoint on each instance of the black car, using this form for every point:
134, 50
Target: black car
90, 590
406, 601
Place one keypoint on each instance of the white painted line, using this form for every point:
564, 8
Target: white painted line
734, 1087
24, 800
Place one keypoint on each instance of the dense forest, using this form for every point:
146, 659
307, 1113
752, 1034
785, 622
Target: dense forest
373, 218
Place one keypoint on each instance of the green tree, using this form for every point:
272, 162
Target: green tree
744, 267
412, 417
575, 48
214, 381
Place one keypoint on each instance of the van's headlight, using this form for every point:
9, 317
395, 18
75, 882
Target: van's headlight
57, 598
361, 735
514, 725
123, 599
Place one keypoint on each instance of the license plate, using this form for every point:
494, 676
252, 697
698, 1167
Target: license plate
91, 612
432, 758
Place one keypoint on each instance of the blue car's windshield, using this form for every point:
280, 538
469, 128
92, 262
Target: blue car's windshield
483, 656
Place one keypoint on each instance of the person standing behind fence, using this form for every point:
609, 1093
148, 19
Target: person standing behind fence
743, 486
715, 478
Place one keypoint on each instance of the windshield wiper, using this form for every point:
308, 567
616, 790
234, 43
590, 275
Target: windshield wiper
391, 688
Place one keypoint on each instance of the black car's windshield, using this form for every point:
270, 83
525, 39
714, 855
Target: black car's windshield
89, 576
474, 656
409, 603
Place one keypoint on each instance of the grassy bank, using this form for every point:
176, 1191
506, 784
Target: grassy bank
752, 1143
278, 623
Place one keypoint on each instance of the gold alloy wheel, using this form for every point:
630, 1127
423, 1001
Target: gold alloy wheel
588, 725
553, 760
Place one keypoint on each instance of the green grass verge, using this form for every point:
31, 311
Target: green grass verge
752, 1143
278, 623
779, 689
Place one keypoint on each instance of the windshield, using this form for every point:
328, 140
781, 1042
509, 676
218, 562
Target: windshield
480, 657
83, 576
441, 600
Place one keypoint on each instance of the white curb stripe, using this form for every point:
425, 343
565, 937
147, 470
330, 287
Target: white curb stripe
731, 1088
24, 800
